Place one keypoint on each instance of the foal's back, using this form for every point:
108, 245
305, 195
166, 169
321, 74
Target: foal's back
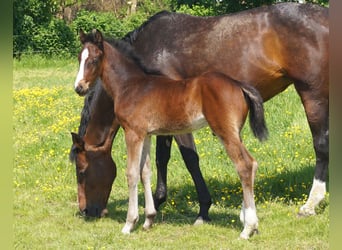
173, 107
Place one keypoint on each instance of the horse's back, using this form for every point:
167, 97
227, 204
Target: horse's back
267, 47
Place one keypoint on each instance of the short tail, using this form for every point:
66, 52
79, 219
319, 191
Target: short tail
256, 111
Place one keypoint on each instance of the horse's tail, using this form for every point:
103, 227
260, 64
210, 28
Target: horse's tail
256, 111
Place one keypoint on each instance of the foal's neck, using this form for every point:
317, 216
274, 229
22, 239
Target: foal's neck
119, 71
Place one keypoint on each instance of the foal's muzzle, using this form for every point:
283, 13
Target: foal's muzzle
80, 90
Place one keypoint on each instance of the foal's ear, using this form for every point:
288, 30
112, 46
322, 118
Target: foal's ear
82, 36
77, 141
98, 38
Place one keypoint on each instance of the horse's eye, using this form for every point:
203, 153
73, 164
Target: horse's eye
81, 173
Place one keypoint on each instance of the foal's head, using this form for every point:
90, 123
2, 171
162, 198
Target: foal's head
96, 171
90, 59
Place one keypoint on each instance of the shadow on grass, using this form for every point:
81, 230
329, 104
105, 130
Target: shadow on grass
287, 187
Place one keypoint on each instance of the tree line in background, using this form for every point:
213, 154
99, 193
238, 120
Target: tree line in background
50, 27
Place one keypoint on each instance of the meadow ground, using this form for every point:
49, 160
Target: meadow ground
46, 109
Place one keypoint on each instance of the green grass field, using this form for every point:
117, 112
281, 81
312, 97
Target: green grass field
46, 109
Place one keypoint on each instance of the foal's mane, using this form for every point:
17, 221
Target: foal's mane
125, 48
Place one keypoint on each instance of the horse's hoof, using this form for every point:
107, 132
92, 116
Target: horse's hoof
200, 221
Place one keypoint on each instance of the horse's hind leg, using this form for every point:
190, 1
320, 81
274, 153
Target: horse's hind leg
188, 150
317, 112
150, 210
163, 149
246, 167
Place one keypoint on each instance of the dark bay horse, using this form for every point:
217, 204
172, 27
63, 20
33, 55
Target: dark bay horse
91, 151
148, 104
270, 47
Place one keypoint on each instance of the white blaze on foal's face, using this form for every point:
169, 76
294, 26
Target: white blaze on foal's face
84, 56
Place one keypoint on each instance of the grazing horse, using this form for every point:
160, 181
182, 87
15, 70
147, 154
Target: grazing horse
91, 151
269, 47
148, 104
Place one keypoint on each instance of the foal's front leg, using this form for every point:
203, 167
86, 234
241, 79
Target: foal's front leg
138, 164
134, 151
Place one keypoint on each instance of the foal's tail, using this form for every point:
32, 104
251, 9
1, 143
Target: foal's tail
256, 111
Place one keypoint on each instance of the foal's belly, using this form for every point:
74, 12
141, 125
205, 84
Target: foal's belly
173, 127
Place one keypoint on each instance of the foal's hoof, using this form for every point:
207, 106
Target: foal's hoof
305, 212
126, 230
148, 224
247, 233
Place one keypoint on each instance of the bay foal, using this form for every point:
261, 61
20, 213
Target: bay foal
148, 104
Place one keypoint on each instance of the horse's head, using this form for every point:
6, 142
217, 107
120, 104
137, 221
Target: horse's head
90, 60
95, 171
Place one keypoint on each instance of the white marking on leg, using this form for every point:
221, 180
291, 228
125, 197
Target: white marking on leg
317, 194
242, 214
146, 173
84, 56
134, 151
251, 222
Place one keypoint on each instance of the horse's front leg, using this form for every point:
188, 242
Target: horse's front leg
150, 211
134, 151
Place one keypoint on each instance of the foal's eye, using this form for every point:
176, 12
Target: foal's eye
95, 60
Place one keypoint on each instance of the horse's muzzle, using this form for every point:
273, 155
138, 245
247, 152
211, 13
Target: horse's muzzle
94, 212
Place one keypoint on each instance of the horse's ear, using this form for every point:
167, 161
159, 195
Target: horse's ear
98, 38
82, 36
77, 141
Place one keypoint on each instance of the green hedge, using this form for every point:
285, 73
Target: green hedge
37, 31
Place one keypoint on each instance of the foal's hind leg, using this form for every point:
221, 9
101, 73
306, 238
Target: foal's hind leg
246, 167
150, 211
188, 150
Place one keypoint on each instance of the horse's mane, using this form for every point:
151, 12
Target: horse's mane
128, 50
86, 112
132, 35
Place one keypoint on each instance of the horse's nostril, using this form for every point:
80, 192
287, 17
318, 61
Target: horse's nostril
84, 212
